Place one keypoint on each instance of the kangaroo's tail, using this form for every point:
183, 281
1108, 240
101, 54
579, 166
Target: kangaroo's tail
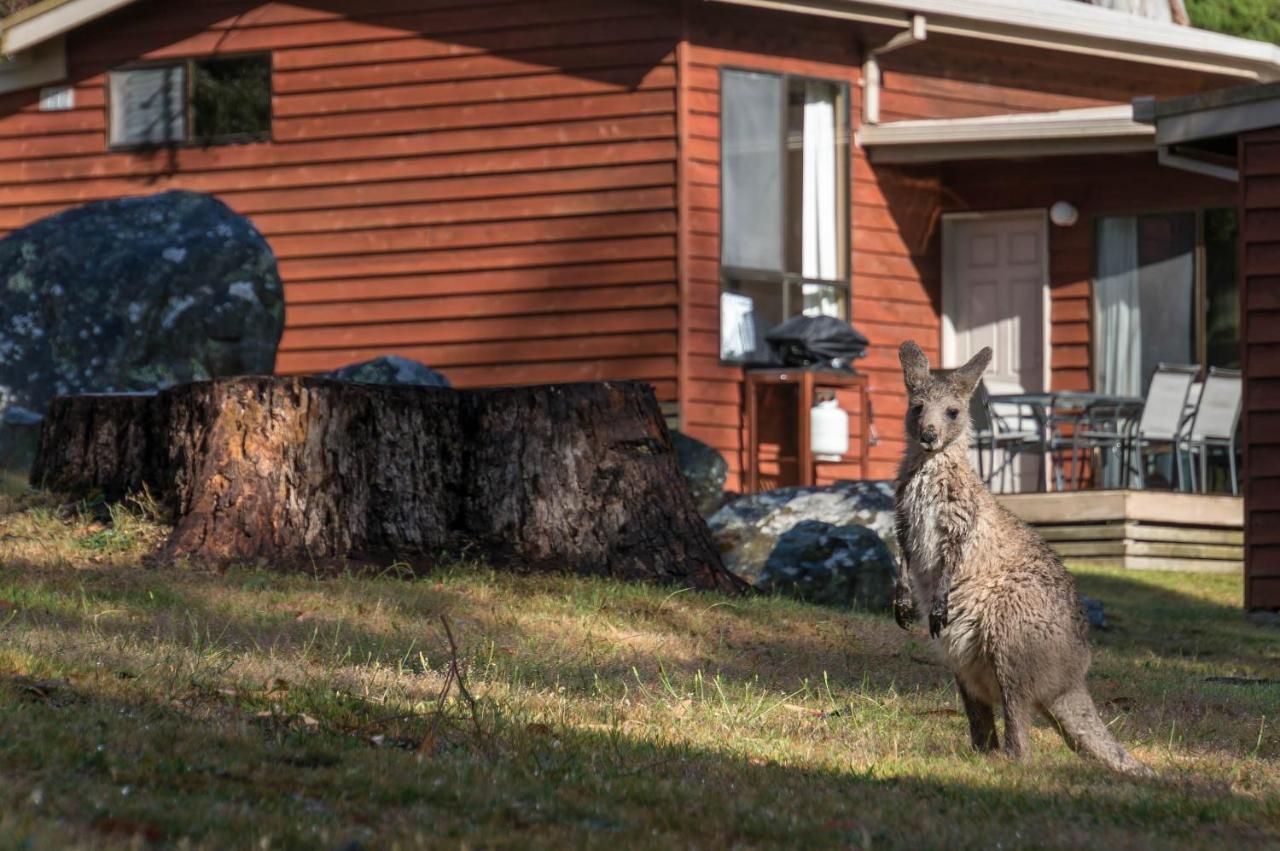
1081, 726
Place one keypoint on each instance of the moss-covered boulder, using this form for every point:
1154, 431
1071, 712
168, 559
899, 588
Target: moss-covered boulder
135, 294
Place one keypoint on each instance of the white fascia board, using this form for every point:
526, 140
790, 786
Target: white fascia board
27, 32
37, 67
1108, 129
1058, 25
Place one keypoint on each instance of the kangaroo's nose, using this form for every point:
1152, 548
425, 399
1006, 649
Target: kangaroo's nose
929, 436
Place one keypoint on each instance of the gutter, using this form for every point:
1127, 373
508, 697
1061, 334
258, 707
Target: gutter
917, 33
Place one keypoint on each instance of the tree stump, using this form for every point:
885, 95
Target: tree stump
576, 477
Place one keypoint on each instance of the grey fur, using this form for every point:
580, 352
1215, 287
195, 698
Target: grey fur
999, 601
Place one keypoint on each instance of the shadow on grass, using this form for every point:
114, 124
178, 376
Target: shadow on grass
117, 767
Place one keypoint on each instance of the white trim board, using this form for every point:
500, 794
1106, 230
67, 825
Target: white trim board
1093, 130
34, 26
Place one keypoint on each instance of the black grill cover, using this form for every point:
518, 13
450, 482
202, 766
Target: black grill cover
809, 340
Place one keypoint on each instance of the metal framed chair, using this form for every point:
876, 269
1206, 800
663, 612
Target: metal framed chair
1001, 431
1214, 426
1164, 418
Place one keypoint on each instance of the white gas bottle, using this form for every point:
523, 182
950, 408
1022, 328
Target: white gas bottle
828, 430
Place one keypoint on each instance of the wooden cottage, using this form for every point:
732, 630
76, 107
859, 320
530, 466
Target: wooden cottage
517, 192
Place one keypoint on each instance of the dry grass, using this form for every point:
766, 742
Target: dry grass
169, 705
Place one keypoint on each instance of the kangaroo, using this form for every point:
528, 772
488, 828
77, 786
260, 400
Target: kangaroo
1001, 605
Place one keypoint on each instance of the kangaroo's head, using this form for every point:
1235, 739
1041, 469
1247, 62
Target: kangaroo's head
938, 405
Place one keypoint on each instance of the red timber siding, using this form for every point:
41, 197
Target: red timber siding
1260, 352
488, 187
950, 77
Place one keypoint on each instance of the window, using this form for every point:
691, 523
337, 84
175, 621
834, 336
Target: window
784, 201
1164, 291
207, 101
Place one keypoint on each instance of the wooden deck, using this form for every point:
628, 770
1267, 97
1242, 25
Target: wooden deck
1143, 530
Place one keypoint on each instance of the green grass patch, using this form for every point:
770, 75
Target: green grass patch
144, 703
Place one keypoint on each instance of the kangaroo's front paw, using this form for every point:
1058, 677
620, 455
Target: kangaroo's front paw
937, 617
904, 608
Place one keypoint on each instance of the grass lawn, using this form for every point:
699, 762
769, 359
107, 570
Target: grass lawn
167, 705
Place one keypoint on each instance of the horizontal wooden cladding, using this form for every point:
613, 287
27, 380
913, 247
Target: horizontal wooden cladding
508, 90
486, 305
499, 257
545, 280
638, 331
482, 175
197, 32
289, 83
461, 236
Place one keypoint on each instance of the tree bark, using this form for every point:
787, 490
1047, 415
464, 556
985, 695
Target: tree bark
577, 477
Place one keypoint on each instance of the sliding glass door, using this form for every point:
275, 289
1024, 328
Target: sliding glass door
1164, 292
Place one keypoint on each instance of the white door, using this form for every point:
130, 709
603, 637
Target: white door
994, 287
993, 295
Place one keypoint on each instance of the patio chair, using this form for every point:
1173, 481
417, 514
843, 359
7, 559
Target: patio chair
999, 437
1164, 418
1214, 426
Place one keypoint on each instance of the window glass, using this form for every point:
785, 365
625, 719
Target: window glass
1166, 285
1221, 290
1152, 304
751, 167
231, 98
748, 309
148, 105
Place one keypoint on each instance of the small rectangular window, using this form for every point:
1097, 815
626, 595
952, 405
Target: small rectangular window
209, 101
148, 106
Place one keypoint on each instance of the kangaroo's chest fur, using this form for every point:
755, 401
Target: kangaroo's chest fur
940, 501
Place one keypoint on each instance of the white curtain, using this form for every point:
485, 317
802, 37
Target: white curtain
1117, 307
818, 221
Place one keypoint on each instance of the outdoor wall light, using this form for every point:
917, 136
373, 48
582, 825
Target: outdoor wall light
1064, 214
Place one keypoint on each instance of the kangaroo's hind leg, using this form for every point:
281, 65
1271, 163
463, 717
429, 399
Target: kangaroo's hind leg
1017, 720
982, 719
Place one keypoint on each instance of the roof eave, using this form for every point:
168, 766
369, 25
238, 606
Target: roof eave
1074, 28
47, 20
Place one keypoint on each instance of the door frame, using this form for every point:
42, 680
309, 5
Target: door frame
949, 221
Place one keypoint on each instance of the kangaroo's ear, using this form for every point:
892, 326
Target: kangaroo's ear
915, 366
965, 379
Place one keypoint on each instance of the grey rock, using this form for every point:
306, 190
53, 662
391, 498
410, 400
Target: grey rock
389, 369
1094, 611
836, 565
704, 469
747, 529
135, 294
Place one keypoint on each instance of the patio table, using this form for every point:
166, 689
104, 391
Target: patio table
1055, 409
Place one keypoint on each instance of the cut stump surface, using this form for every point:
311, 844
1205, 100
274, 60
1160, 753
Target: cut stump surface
577, 477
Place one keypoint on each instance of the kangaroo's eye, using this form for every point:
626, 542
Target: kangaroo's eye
953, 413
916, 409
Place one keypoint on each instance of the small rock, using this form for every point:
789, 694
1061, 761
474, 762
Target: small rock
389, 369
704, 469
747, 529
1094, 611
836, 565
